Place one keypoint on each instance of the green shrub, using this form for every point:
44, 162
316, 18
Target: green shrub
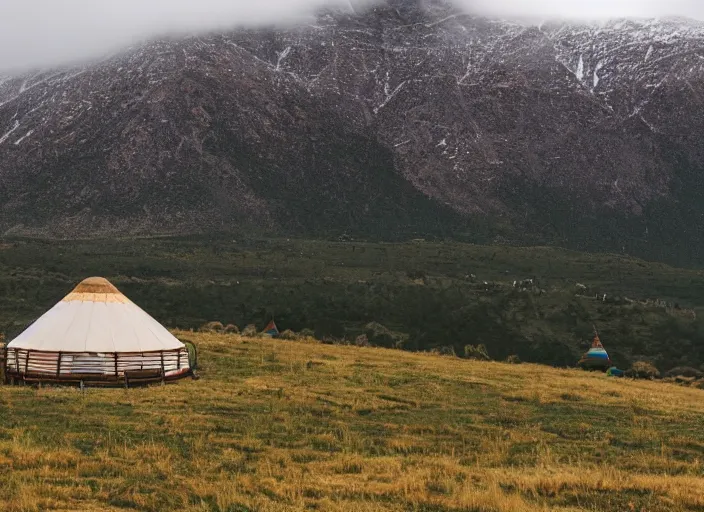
685, 371
643, 370
477, 352
380, 336
415, 274
362, 341
446, 350
212, 327
307, 333
231, 329
513, 359
250, 331
289, 335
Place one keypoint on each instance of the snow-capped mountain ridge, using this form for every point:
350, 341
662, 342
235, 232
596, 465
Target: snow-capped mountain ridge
549, 127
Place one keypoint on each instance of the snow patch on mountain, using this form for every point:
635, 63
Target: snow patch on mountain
12, 130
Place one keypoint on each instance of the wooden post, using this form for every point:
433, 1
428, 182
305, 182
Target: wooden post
178, 361
163, 371
26, 363
3, 361
115, 356
58, 366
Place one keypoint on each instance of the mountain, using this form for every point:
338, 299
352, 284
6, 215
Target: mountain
412, 116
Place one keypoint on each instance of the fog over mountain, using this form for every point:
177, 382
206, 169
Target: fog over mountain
36, 33
47, 33
409, 118
586, 10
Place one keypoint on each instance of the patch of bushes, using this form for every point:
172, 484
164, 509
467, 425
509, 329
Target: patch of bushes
212, 327
250, 331
685, 371
477, 352
307, 333
446, 350
643, 370
380, 336
362, 341
415, 274
513, 359
231, 329
289, 335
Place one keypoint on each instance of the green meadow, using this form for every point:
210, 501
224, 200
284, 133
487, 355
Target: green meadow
274, 426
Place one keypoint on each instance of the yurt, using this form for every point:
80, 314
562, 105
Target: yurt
596, 357
96, 336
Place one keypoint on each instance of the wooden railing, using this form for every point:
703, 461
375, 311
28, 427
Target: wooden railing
35, 365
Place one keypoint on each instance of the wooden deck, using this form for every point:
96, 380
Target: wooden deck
93, 370
127, 380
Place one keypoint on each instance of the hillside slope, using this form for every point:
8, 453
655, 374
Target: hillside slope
411, 117
190, 136
283, 426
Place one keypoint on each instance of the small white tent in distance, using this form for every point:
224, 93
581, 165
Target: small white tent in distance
96, 336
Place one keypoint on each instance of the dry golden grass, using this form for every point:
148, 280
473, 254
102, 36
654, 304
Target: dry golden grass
275, 425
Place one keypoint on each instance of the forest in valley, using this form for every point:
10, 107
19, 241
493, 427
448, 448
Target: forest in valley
537, 304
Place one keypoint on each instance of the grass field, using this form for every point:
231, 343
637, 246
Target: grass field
276, 426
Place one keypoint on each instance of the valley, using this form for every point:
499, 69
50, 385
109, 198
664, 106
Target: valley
429, 295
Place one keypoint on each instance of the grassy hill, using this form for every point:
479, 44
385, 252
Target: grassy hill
430, 294
276, 426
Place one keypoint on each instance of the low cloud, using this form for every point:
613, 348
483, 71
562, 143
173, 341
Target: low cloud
586, 9
44, 33
40, 33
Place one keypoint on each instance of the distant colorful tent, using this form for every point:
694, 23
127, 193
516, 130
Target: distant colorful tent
596, 358
271, 330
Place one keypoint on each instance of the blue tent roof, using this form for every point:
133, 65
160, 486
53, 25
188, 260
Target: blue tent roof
597, 353
596, 356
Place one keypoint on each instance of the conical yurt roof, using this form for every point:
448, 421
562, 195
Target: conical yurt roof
96, 318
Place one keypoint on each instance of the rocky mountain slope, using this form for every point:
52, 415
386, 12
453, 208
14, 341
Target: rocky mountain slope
412, 116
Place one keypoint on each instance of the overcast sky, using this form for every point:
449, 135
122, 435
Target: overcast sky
54, 32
